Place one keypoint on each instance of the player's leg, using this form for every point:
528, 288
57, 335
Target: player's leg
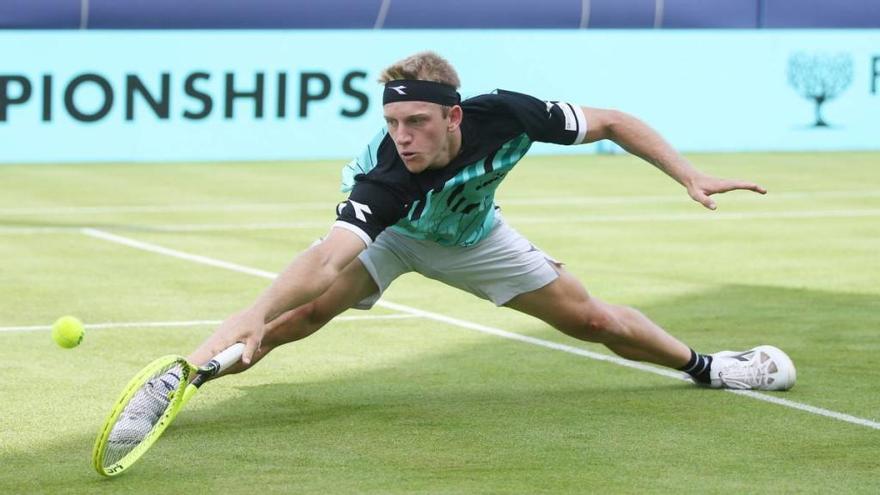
508, 270
566, 305
353, 285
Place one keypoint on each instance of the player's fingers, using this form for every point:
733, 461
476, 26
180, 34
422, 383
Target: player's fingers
251, 346
703, 199
757, 188
749, 186
742, 185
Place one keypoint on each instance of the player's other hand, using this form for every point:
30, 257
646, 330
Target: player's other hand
246, 327
702, 187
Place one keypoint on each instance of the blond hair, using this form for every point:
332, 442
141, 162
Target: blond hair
423, 66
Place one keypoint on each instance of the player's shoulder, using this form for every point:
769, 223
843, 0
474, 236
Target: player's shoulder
541, 120
378, 151
500, 101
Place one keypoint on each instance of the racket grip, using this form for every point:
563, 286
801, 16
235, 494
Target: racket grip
226, 358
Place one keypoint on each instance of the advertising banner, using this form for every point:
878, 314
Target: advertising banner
70, 96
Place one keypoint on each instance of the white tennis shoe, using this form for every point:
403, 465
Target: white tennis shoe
763, 368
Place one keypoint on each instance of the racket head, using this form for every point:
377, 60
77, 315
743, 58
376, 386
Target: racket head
116, 451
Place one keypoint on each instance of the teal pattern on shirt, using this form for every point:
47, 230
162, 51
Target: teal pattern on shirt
462, 211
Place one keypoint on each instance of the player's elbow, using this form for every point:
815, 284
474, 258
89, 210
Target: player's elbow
604, 123
614, 121
325, 268
326, 260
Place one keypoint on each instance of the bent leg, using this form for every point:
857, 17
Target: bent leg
353, 285
566, 305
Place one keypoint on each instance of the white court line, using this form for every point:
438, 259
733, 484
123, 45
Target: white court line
530, 340
177, 254
185, 324
209, 208
171, 228
329, 205
624, 362
702, 216
676, 198
488, 330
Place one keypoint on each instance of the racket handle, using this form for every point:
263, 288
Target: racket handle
225, 359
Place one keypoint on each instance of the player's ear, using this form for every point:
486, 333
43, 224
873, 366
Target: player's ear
455, 116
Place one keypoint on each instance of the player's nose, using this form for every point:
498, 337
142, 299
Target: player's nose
403, 137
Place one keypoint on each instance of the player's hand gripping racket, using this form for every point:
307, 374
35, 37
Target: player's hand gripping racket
149, 403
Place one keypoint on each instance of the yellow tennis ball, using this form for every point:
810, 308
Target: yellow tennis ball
67, 332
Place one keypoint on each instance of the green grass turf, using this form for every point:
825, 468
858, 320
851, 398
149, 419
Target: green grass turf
418, 406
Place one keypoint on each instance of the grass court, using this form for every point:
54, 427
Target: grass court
432, 393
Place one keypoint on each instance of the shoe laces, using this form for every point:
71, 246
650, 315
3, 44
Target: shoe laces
748, 374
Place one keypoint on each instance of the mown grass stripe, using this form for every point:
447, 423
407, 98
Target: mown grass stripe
486, 329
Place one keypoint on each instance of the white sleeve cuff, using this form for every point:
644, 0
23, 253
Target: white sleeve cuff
356, 230
581, 124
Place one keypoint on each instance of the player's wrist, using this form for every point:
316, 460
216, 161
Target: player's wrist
692, 178
259, 311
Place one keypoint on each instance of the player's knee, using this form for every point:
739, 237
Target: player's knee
294, 325
310, 318
597, 325
283, 329
315, 317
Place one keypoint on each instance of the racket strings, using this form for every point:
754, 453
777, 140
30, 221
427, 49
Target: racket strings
142, 413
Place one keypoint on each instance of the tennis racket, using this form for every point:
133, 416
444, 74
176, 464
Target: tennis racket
149, 403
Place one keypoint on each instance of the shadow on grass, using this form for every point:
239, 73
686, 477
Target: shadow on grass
441, 419
821, 330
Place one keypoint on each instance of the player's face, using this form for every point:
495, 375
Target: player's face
422, 135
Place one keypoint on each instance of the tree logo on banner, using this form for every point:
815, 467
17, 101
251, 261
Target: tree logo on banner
820, 78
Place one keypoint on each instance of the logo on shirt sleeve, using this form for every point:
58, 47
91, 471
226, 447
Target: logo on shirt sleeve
360, 210
567, 112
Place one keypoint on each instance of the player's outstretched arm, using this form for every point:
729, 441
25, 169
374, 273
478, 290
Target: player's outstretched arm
307, 277
641, 140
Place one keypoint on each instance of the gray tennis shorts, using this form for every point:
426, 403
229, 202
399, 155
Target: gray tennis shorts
498, 268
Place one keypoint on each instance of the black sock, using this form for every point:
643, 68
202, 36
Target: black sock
698, 367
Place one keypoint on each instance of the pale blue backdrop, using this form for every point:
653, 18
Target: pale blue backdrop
704, 90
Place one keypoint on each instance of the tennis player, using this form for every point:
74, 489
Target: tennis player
421, 198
